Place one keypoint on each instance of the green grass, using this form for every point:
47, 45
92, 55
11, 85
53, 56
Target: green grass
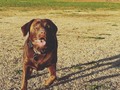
77, 67
99, 87
95, 87
114, 25
57, 4
18, 71
97, 38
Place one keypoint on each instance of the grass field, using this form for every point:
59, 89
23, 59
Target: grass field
58, 4
88, 44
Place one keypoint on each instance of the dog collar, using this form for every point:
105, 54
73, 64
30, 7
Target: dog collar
36, 52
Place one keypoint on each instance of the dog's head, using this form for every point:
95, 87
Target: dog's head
42, 32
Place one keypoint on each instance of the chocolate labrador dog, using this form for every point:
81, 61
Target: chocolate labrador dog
40, 49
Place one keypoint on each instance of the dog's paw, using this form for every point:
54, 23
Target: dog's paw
50, 80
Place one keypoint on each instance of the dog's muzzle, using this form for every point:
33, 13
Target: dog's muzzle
40, 43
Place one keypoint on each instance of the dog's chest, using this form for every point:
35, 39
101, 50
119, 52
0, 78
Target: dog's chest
38, 57
37, 61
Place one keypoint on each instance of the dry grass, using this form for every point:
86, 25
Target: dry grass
88, 52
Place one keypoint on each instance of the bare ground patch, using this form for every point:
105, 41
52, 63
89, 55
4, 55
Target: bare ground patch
88, 53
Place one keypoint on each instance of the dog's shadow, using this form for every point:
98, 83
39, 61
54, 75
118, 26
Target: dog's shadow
106, 64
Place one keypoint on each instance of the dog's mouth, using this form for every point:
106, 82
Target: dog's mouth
40, 43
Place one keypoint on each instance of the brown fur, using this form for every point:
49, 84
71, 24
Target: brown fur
46, 60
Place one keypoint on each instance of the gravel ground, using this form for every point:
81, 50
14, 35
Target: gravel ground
88, 52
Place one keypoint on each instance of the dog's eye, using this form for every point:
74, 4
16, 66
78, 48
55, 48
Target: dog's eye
48, 26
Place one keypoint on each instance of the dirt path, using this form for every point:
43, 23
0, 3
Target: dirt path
88, 53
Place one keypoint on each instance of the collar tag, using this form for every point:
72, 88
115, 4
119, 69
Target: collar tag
36, 56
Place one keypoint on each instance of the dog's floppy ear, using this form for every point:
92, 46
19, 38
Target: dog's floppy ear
52, 26
26, 28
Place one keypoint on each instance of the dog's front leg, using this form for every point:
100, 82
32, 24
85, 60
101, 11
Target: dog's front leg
52, 72
24, 77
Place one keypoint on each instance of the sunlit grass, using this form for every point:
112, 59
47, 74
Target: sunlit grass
57, 4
